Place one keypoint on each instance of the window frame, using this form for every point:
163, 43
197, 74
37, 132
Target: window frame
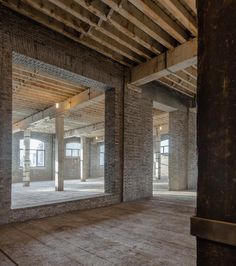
71, 150
37, 156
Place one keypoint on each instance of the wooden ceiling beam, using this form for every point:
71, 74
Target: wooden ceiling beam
94, 7
159, 17
70, 21
81, 100
30, 89
182, 83
37, 81
57, 26
190, 71
174, 86
186, 78
192, 5
109, 28
181, 14
50, 80
135, 33
48, 86
125, 27
84, 130
162, 65
40, 98
132, 14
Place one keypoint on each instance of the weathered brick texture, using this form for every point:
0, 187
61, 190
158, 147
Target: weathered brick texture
113, 142
26, 37
192, 151
138, 145
178, 150
95, 169
182, 150
5, 126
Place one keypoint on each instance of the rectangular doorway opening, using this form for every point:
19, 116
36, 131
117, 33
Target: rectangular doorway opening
58, 135
160, 151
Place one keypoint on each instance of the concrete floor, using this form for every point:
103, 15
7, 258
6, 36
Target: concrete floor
150, 232
160, 187
43, 192
40, 193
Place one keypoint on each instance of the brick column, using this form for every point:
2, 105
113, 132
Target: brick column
113, 142
192, 150
178, 150
59, 154
5, 126
138, 144
26, 165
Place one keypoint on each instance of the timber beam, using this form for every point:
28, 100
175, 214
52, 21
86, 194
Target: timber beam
74, 103
165, 64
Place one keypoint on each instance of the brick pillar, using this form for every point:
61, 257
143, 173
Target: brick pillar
192, 150
26, 165
216, 135
178, 150
113, 142
84, 158
138, 144
59, 154
5, 126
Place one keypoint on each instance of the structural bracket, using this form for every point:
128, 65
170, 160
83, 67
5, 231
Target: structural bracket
213, 230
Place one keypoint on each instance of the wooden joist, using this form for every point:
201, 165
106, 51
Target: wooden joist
78, 101
165, 64
127, 31
84, 25
181, 14
159, 17
61, 28
144, 23
192, 5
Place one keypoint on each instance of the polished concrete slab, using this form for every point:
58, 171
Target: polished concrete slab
147, 232
43, 192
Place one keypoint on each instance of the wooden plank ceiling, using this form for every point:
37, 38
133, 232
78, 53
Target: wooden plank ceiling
34, 91
128, 31
131, 32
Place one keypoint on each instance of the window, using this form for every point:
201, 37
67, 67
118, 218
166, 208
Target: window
101, 154
37, 153
73, 149
165, 146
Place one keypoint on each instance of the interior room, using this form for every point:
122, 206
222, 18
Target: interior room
117, 132
55, 96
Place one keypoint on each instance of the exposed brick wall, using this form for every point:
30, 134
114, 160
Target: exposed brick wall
138, 145
113, 142
178, 150
5, 125
192, 151
34, 40
24, 36
95, 169
182, 150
